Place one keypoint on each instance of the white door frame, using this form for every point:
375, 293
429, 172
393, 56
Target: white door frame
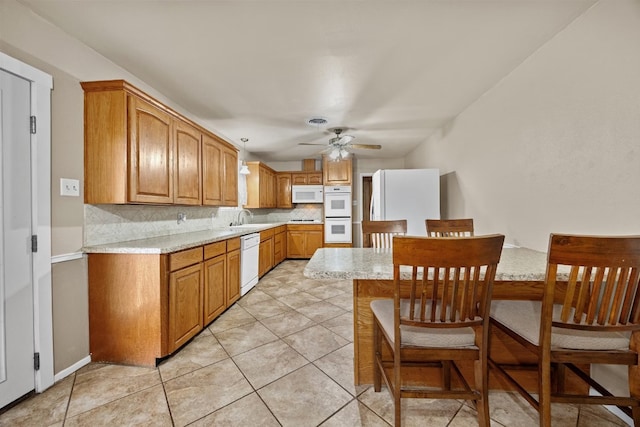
41, 86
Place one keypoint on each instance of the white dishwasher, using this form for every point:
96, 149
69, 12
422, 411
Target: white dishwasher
249, 247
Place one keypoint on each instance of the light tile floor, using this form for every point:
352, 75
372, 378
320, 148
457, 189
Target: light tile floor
281, 356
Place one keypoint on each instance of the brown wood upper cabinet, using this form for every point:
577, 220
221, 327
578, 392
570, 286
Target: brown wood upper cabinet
261, 186
337, 173
137, 150
306, 178
219, 173
150, 156
187, 185
283, 190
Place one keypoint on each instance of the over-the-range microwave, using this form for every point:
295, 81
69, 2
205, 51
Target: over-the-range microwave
307, 193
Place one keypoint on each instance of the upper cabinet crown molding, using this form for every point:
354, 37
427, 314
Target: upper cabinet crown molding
138, 150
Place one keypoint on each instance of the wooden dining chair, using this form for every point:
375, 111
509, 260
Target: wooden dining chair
589, 314
381, 233
440, 319
449, 227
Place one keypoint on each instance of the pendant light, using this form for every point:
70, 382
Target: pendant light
244, 169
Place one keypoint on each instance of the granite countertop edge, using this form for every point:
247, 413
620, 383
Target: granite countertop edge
177, 242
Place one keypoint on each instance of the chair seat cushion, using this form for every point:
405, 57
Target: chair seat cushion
523, 317
418, 336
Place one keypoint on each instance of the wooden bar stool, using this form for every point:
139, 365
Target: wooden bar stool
596, 319
445, 318
449, 227
381, 232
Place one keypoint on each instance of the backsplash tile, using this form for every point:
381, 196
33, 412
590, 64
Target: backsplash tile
117, 223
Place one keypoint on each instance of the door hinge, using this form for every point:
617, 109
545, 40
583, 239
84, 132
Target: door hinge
36, 361
34, 243
33, 124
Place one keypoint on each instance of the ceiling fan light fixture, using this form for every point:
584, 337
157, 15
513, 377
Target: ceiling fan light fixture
334, 154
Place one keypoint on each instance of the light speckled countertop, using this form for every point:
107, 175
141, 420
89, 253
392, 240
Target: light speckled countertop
177, 242
516, 264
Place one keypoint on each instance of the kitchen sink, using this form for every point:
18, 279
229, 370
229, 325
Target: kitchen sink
250, 225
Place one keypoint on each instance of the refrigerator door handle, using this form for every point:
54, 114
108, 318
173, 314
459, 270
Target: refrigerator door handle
371, 207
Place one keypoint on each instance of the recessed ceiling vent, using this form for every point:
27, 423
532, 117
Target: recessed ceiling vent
317, 121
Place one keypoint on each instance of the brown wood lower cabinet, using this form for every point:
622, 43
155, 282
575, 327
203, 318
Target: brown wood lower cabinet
265, 253
143, 307
303, 240
280, 244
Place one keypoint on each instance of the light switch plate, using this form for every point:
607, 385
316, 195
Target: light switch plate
69, 187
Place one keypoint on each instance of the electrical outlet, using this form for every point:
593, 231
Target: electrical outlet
69, 187
182, 217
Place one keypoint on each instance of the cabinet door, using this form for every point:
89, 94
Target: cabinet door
299, 178
313, 242
215, 284
315, 178
233, 276
212, 171
295, 244
230, 177
185, 305
284, 190
279, 251
151, 153
265, 257
336, 173
187, 187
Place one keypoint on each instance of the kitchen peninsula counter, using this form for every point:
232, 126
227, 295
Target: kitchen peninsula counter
516, 264
520, 276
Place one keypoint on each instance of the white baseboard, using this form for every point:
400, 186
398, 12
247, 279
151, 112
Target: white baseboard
71, 369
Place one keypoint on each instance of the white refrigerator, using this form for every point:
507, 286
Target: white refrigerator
411, 194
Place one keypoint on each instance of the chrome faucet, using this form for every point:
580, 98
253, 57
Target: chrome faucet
240, 219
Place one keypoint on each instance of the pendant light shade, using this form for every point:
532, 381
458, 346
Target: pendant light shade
244, 169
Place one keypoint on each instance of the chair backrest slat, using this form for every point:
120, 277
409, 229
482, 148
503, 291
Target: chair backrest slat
449, 227
459, 272
381, 232
603, 284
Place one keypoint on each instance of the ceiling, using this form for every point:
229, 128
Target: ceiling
392, 72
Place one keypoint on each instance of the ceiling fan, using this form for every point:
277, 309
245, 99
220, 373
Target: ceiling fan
340, 145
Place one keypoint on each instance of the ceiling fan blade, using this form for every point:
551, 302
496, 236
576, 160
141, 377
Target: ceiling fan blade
309, 143
367, 146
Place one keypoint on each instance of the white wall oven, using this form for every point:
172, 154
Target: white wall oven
337, 214
337, 201
337, 230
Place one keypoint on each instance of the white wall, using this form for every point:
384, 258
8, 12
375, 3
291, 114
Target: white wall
555, 146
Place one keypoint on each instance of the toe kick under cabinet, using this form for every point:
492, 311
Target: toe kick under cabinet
143, 307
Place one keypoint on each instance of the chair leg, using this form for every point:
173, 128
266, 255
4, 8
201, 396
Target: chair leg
544, 388
634, 391
377, 356
397, 383
481, 373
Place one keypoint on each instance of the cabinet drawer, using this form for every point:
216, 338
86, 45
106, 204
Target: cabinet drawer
214, 249
178, 260
266, 234
233, 244
280, 229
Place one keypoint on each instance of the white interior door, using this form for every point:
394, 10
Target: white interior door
17, 374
